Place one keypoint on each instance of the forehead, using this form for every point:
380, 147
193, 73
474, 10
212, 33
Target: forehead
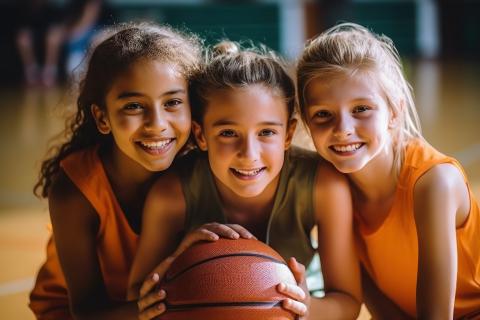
149, 73
360, 85
253, 103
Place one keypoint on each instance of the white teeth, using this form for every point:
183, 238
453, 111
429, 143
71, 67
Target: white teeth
248, 172
155, 144
347, 148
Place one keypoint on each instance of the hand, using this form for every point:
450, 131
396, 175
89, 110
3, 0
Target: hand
230, 231
150, 303
299, 301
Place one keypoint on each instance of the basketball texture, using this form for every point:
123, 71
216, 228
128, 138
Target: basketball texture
226, 280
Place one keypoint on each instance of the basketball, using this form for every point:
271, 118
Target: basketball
226, 280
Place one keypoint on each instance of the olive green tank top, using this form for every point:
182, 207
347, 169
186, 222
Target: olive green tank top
291, 220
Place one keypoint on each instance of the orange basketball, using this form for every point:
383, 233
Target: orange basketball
227, 280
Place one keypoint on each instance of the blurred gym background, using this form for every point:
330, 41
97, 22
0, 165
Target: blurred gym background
42, 42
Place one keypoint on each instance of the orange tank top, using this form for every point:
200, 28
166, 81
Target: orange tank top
390, 253
116, 241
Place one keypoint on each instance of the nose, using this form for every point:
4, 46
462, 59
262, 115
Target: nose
249, 149
156, 120
344, 127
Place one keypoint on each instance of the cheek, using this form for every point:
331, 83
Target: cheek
181, 121
318, 135
377, 127
122, 125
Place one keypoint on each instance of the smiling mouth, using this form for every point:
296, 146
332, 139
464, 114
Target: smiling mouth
247, 174
346, 149
155, 147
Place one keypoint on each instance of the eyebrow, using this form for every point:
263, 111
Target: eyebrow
229, 122
356, 100
130, 94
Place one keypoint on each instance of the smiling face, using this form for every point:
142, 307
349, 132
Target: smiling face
246, 132
349, 121
147, 113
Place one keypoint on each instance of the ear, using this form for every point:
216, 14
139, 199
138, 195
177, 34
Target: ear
292, 125
199, 136
103, 125
394, 115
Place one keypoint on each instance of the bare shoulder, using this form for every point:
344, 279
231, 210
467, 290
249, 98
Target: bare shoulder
167, 185
332, 196
329, 177
67, 203
442, 186
165, 196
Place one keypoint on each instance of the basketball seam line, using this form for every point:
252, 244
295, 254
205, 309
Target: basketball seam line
168, 279
179, 307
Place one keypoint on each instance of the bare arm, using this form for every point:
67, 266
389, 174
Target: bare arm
162, 227
441, 202
340, 266
75, 225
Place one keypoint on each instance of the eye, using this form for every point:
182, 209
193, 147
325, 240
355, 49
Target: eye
322, 114
267, 133
133, 107
228, 133
173, 103
360, 109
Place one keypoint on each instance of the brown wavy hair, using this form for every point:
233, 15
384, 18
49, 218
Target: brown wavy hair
230, 66
116, 49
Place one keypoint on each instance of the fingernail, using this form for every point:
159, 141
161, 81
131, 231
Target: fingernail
155, 277
161, 293
170, 259
160, 306
236, 236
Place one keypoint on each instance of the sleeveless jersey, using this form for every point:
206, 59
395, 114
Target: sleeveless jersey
116, 241
390, 253
291, 219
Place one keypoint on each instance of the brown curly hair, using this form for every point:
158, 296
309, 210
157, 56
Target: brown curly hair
117, 48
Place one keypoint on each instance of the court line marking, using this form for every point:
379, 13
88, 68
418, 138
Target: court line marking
16, 286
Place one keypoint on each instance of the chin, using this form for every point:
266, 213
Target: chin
348, 168
249, 193
159, 166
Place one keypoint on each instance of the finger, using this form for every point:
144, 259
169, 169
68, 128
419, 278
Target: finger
293, 291
222, 230
244, 233
295, 306
201, 234
152, 312
149, 284
297, 269
151, 298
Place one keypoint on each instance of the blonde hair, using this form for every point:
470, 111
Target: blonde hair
349, 48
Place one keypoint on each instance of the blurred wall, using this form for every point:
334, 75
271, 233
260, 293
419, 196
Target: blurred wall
451, 30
